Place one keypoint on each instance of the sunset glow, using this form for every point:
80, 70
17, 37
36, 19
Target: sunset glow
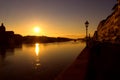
37, 30
57, 18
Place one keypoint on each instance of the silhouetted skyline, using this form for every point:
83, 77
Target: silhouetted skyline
55, 17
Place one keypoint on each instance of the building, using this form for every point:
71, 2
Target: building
109, 29
6, 37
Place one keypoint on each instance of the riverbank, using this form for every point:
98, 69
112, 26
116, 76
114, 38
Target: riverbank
78, 69
97, 62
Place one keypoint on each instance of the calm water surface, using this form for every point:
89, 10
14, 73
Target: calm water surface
37, 61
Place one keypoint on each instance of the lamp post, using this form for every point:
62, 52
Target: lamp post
86, 25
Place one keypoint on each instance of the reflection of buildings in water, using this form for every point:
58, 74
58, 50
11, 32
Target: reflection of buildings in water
37, 51
7, 51
4, 52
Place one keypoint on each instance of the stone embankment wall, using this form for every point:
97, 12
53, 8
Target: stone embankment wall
109, 29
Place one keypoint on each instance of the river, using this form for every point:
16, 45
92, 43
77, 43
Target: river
39, 61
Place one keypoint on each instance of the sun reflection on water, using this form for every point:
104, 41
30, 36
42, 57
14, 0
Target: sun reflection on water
37, 51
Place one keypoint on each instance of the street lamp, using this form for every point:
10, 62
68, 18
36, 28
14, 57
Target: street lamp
86, 25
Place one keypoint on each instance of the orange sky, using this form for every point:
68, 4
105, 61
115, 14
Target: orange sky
64, 18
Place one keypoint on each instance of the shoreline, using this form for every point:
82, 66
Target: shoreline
78, 69
97, 62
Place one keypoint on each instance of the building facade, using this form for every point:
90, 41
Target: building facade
108, 30
6, 37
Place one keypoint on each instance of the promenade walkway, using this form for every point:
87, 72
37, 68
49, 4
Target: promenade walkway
78, 70
99, 62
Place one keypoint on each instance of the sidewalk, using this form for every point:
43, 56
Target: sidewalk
78, 70
99, 62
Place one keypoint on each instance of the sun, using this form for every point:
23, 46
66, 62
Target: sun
37, 29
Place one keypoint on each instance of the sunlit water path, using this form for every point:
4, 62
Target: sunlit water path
37, 61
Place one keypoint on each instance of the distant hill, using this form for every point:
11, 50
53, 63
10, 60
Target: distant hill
43, 39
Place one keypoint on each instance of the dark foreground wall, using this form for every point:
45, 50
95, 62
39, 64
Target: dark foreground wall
104, 62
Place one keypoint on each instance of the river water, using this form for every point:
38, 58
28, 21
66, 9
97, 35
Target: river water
37, 61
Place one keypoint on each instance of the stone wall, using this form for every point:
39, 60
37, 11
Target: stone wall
109, 29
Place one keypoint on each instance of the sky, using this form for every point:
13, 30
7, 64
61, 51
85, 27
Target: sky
56, 18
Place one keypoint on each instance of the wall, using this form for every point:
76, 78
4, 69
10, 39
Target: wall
108, 30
